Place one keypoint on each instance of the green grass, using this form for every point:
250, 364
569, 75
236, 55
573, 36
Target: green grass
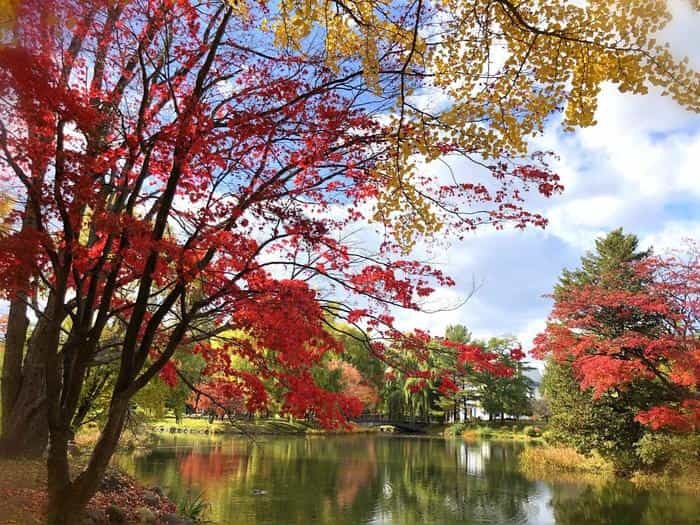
193, 505
501, 432
201, 425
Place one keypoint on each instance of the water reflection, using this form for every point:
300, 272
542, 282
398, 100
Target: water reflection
388, 480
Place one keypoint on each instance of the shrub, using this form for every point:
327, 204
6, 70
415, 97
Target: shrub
549, 437
485, 432
456, 430
531, 431
193, 506
672, 453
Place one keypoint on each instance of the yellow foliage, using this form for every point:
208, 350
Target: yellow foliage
230, 337
5, 208
7, 14
505, 66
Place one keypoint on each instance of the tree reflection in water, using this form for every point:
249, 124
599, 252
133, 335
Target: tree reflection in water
394, 480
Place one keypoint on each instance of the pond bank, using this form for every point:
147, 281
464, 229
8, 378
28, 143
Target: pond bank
282, 427
544, 459
271, 426
500, 432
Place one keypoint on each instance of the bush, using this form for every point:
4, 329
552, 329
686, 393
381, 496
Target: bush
672, 453
485, 432
531, 431
456, 430
549, 437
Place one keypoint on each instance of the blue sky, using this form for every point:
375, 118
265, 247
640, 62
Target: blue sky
638, 168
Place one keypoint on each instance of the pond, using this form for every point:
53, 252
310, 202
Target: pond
343, 480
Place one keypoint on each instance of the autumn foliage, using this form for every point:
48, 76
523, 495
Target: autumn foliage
185, 187
356, 386
185, 169
618, 336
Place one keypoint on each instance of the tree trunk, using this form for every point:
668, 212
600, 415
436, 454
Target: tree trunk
25, 432
16, 335
62, 508
67, 499
63, 511
25, 425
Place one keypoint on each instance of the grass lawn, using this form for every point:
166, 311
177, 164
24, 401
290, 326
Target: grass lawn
277, 426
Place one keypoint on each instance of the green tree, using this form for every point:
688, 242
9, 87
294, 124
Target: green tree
458, 333
578, 420
327, 377
499, 395
505, 395
460, 399
356, 351
609, 265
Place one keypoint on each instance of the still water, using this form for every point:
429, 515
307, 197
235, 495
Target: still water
388, 480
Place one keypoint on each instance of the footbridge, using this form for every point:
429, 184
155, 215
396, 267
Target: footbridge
403, 424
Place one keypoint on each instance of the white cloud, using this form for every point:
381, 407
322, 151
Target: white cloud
443, 303
577, 220
637, 168
671, 235
682, 34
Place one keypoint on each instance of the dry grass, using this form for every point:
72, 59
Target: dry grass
687, 481
86, 439
565, 464
543, 460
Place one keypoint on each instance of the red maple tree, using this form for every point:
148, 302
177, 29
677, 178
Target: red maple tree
176, 183
617, 336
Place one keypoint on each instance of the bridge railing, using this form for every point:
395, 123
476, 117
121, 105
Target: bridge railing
385, 418
371, 417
